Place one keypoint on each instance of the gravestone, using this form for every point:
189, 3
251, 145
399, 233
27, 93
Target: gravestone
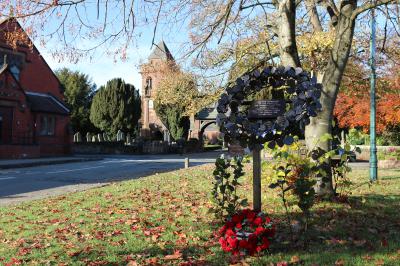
100, 137
94, 138
105, 137
88, 137
78, 137
128, 138
119, 135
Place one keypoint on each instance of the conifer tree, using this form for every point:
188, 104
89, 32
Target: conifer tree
78, 92
116, 106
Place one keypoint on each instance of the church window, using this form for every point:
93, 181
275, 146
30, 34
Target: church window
151, 104
149, 85
15, 71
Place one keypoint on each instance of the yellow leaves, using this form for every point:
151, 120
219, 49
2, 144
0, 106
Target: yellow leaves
315, 48
179, 88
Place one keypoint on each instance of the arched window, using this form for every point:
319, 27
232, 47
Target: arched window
15, 71
149, 86
151, 104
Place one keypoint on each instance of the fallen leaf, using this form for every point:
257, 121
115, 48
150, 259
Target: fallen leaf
74, 253
339, 262
295, 260
177, 255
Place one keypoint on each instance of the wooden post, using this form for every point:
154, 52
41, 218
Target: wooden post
257, 178
186, 163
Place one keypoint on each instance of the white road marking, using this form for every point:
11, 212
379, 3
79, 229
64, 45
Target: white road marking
73, 170
7, 178
160, 161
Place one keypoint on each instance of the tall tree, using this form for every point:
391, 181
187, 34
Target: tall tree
178, 98
78, 92
116, 106
285, 20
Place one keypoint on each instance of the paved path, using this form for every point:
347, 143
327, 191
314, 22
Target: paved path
22, 184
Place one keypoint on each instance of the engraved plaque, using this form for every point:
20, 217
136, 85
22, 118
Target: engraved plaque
266, 109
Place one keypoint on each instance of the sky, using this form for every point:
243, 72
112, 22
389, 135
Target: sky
103, 68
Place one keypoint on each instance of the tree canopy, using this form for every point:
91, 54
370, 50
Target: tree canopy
116, 106
178, 98
78, 92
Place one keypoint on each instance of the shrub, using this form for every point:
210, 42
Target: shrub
226, 180
357, 137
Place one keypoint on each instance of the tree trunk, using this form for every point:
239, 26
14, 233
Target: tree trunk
313, 13
287, 33
332, 77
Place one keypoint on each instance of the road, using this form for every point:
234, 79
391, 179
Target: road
22, 184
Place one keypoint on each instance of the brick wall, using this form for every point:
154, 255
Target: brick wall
19, 151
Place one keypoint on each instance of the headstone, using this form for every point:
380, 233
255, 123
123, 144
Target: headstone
122, 136
78, 137
75, 137
88, 137
119, 135
100, 137
128, 138
105, 137
94, 139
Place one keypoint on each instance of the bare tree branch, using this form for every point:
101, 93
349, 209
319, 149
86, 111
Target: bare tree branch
368, 6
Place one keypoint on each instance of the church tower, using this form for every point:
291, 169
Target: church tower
151, 72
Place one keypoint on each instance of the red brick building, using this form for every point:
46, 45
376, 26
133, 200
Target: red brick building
152, 73
34, 120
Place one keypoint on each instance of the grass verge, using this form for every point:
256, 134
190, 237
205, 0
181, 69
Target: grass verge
163, 219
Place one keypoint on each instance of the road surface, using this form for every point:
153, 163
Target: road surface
22, 184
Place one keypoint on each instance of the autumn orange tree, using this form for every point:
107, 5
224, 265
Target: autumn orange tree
352, 108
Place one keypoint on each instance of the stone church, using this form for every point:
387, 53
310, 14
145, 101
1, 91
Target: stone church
151, 72
202, 124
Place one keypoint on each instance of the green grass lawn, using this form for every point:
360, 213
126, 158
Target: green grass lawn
163, 219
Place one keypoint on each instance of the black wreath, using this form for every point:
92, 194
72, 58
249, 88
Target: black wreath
302, 103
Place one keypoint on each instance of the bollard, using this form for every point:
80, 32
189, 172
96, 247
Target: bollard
186, 163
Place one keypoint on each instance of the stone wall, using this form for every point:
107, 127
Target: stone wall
142, 147
103, 148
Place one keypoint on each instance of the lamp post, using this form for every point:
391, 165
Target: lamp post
373, 168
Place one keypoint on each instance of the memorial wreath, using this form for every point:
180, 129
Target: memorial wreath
301, 102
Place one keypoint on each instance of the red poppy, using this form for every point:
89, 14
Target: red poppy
258, 221
230, 232
233, 242
243, 244
250, 216
259, 230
